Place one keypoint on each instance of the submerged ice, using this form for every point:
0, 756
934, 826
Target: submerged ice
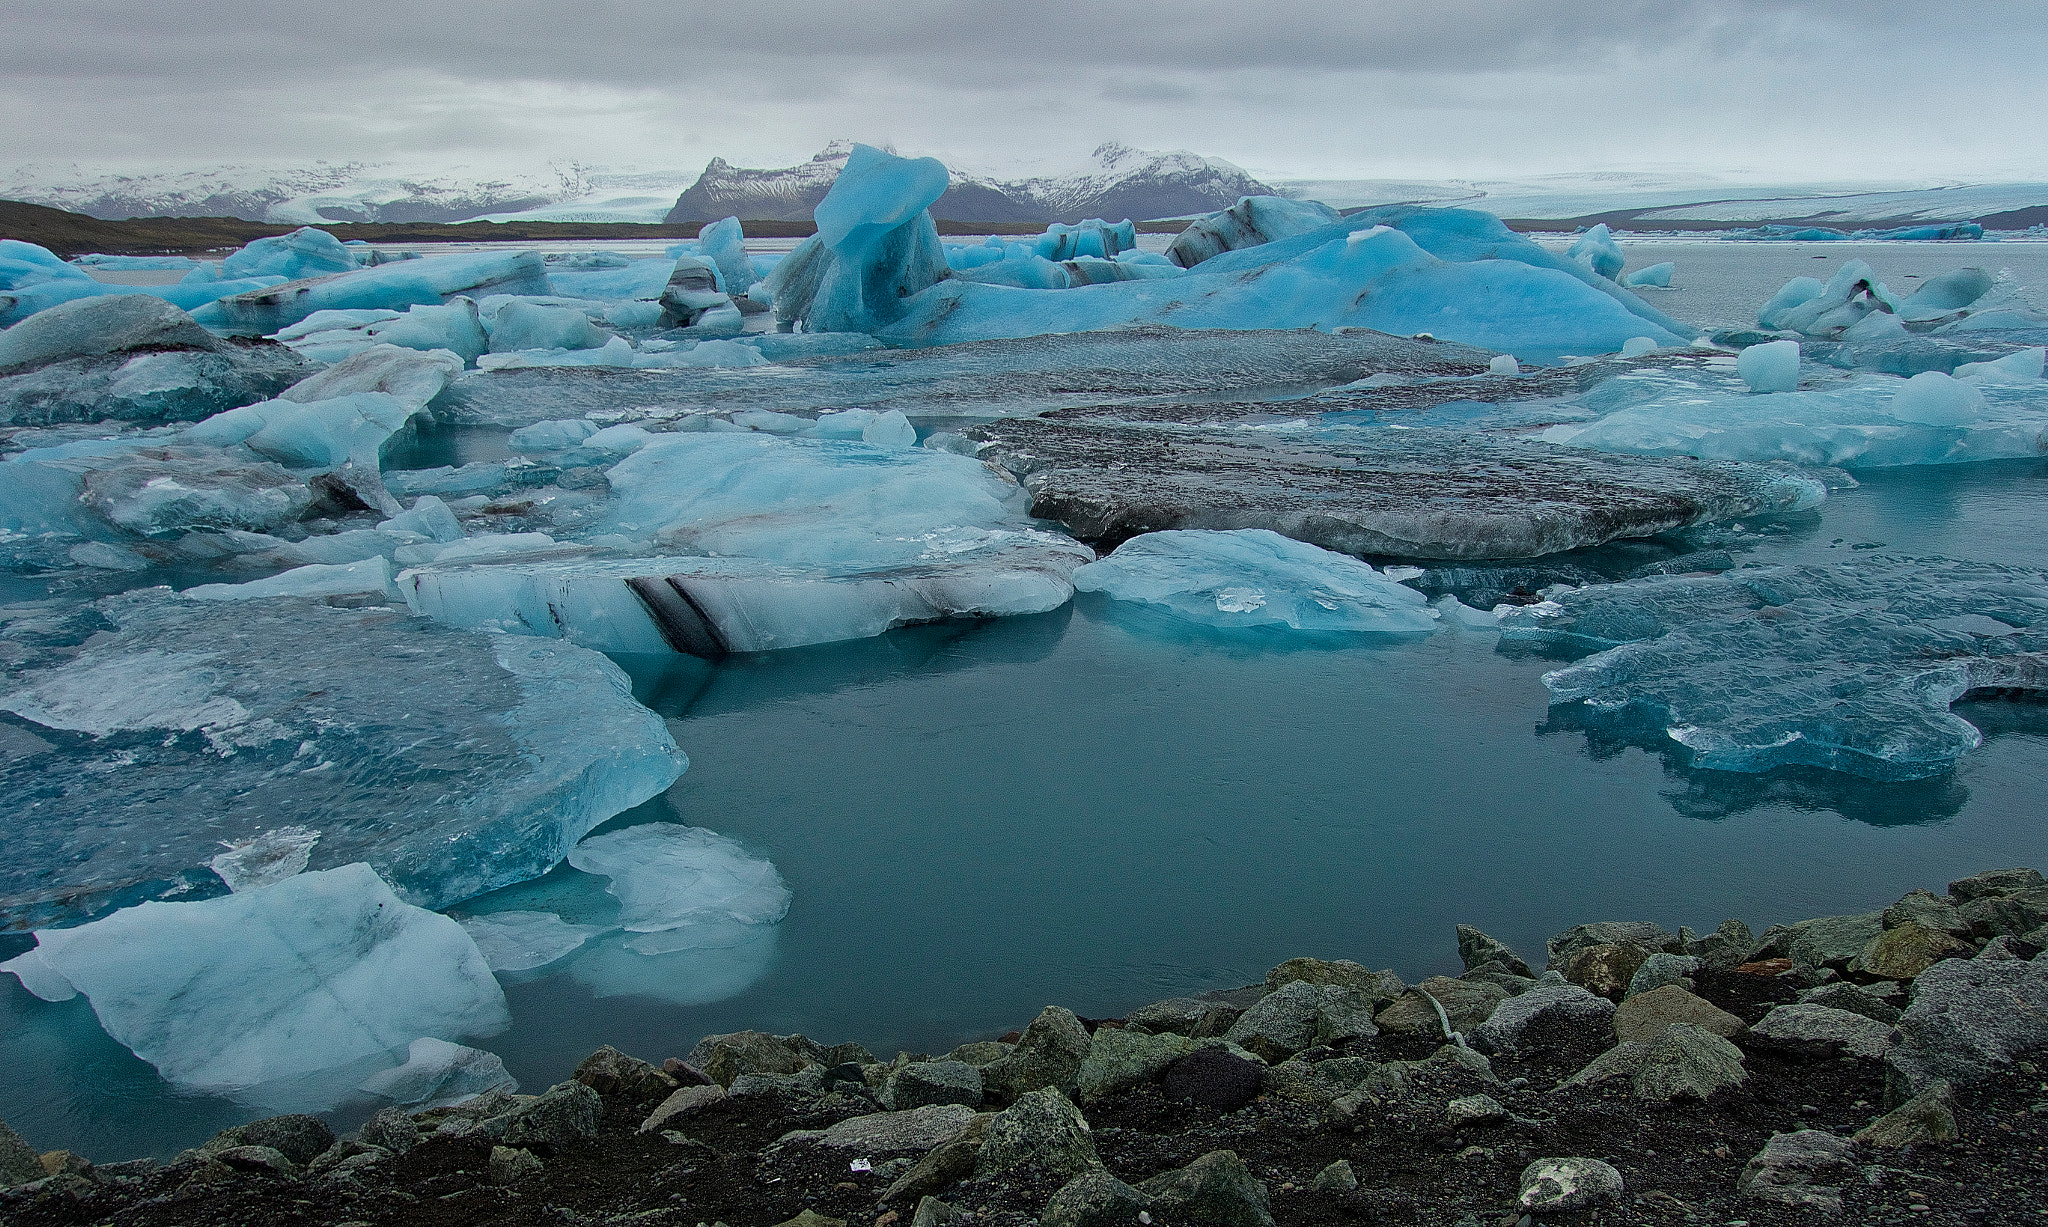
1253, 578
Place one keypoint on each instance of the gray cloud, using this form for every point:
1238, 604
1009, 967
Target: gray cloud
1288, 86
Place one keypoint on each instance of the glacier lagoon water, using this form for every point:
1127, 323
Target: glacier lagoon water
1098, 807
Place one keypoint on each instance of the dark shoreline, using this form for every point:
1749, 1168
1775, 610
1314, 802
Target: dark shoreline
1873, 1068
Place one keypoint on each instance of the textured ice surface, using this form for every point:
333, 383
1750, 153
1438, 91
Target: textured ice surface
1870, 421
714, 606
269, 858
1252, 577
368, 577
985, 379
320, 434
274, 984
522, 325
392, 287
437, 1073
1850, 667
1377, 278
676, 883
1412, 493
522, 941
90, 327
451, 761
171, 490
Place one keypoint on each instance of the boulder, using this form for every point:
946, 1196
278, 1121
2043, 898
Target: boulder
1195, 1017
1800, 1169
1906, 950
880, 1132
1042, 1132
261, 1160
682, 1102
978, 1053
1827, 941
1854, 998
931, 1212
725, 1057
1468, 1003
510, 1163
1927, 1117
1049, 1054
297, 1137
611, 1072
2013, 948
1559, 1002
1620, 1061
1727, 946
566, 1112
1996, 883
1970, 1019
1301, 1014
1338, 1177
1929, 911
1216, 1188
1562, 1186
18, 1161
347, 1157
392, 1130
1644, 1017
1380, 986
1820, 1032
946, 1164
1120, 1060
1688, 1062
1093, 1199
1661, 969
1605, 969
922, 1083
1215, 1078
1649, 936
811, 1218
1476, 949
1474, 1110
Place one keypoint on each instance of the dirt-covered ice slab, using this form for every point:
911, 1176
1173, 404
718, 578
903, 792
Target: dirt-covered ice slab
982, 379
140, 735
1849, 666
1392, 492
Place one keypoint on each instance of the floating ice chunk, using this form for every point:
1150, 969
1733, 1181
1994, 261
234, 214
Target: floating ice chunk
1795, 293
1658, 275
1636, 347
1597, 250
1504, 364
396, 287
724, 244
351, 722
334, 321
267, 859
552, 436
88, 327
166, 491
354, 428
876, 246
669, 877
454, 326
522, 941
305, 975
1877, 327
1850, 666
371, 576
1454, 612
1253, 577
1770, 367
25, 264
305, 252
521, 325
429, 517
2020, 367
1251, 222
1852, 293
135, 263
1947, 296
438, 1074
695, 298
412, 376
38, 977
1934, 399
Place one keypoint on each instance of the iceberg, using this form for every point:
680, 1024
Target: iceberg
156, 492
669, 877
1841, 302
1598, 252
724, 244
438, 1074
1406, 493
1252, 221
369, 577
1657, 276
321, 434
694, 299
1255, 578
271, 985
521, 941
1770, 367
304, 252
711, 607
393, 287
267, 859
452, 762
522, 325
1851, 666
876, 246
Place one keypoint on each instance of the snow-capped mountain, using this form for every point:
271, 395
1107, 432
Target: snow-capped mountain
1118, 182
323, 192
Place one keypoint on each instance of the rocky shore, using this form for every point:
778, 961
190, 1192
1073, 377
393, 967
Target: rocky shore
1884, 1067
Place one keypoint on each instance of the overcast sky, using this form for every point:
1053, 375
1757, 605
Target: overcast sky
1869, 89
